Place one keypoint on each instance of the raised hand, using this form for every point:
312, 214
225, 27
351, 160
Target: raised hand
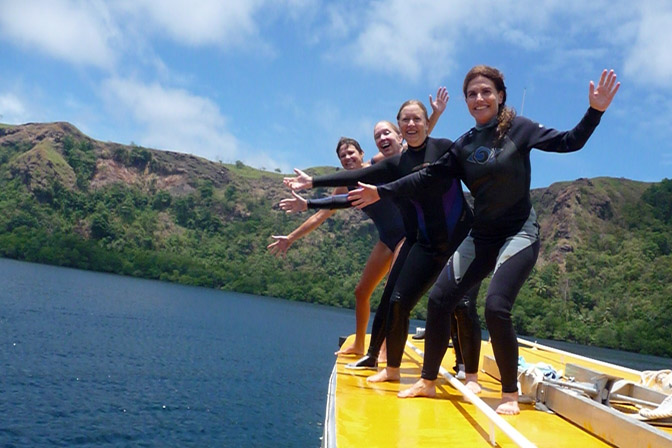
279, 246
442, 98
302, 181
295, 204
364, 195
600, 97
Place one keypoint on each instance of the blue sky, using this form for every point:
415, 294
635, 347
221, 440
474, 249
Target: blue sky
276, 83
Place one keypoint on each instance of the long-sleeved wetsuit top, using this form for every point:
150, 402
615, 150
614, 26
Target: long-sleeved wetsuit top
497, 176
429, 219
384, 214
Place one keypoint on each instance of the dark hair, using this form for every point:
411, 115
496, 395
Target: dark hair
348, 142
416, 103
505, 114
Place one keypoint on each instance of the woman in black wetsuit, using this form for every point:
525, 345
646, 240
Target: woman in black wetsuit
493, 160
435, 223
385, 216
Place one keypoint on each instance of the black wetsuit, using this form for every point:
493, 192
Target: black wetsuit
435, 225
505, 235
384, 214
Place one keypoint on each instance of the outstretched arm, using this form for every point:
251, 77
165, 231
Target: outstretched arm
547, 139
438, 107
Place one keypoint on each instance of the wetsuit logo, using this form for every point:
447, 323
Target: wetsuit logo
483, 155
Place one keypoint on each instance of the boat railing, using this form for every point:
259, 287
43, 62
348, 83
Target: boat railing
537, 346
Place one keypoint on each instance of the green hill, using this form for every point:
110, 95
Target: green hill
604, 275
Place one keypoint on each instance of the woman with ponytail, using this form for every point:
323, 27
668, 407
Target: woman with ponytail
493, 160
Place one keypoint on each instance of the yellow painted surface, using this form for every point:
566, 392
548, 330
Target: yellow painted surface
371, 415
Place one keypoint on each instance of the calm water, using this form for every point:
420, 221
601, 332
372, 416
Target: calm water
89, 359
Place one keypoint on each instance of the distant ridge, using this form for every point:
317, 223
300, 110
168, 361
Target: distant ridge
603, 275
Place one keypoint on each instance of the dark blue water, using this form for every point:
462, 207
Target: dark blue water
90, 359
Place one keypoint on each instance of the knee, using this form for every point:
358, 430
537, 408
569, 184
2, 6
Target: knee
497, 309
436, 296
362, 293
400, 305
365, 288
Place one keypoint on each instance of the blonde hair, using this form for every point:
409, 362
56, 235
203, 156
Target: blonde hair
390, 124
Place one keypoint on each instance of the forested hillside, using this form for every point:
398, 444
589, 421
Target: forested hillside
604, 276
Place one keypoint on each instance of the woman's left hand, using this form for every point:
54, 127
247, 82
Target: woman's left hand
364, 195
294, 205
600, 97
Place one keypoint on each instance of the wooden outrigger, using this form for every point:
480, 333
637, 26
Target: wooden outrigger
586, 411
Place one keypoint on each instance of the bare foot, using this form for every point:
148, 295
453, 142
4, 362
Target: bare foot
421, 388
471, 383
387, 374
350, 350
509, 404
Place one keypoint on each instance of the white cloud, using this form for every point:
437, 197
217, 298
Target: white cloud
196, 22
649, 60
12, 109
174, 119
424, 39
177, 120
78, 32
405, 37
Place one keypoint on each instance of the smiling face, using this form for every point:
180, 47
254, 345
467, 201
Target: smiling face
387, 138
483, 99
412, 121
350, 157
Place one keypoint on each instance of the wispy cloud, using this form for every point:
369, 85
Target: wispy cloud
649, 59
418, 39
177, 120
196, 22
404, 38
79, 32
173, 118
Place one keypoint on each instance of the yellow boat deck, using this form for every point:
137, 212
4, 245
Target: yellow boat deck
371, 415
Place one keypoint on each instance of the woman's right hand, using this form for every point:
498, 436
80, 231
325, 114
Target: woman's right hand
294, 205
302, 181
